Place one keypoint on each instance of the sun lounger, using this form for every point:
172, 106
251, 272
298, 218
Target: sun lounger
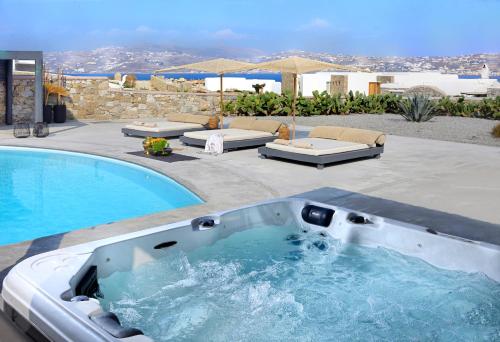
176, 125
327, 144
242, 133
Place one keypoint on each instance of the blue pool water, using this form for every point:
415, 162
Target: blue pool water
281, 284
45, 192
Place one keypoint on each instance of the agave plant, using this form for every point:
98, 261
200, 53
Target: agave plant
417, 108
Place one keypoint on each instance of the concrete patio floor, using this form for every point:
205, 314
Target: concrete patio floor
458, 185
451, 177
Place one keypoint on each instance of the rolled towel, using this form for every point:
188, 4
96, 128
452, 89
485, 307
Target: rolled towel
282, 142
150, 124
302, 145
138, 123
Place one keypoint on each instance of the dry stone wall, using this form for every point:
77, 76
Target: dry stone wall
2, 101
91, 98
23, 106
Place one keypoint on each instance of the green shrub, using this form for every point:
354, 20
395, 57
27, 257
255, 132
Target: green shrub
417, 108
496, 131
486, 108
267, 104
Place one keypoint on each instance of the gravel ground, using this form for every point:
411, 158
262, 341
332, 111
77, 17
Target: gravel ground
466, 130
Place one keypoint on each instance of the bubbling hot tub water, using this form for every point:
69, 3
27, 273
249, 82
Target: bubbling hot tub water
283, 270
290, 284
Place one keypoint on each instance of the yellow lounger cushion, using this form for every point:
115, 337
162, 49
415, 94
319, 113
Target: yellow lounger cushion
362, 136
189, 118
318, 146
242, 123
270, 126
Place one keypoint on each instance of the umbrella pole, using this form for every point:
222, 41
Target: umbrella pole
294, 99
221, 102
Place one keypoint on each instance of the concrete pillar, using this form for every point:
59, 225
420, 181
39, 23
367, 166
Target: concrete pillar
38, 117
287, 81
339, 84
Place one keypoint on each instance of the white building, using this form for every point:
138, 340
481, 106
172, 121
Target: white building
395, 82
241, 83
448, 84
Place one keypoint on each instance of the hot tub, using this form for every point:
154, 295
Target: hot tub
289, 269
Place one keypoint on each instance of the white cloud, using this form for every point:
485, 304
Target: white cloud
144, 29
228, 34
315, 24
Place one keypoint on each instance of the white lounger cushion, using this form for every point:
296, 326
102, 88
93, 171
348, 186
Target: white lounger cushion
166, 126
320, 146
230, 134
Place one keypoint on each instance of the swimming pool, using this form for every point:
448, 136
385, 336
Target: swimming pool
45, 192
284, 270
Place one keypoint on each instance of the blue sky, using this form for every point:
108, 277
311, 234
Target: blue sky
362, 27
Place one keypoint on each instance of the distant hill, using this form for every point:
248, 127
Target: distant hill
145, 59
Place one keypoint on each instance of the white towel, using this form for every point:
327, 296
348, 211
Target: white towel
215, 144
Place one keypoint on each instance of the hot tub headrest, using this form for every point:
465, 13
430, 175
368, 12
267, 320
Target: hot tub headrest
361, 136
317, 215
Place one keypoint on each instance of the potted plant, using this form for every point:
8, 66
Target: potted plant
48, 113
156, 146
60, 106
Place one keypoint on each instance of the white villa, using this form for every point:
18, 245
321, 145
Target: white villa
369, 83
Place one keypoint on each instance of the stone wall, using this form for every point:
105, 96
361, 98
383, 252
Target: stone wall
2, 102
493, 92
91, 98
23, 107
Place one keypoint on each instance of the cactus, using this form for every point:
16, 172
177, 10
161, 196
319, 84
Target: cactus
417, 108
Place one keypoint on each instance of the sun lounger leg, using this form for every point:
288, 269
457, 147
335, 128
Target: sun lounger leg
262, 156
320, 166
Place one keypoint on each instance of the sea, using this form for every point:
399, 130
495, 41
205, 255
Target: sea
201, 76
195, 76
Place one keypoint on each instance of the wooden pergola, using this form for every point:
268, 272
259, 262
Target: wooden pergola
6, 74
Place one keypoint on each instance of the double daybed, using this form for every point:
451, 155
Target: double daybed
327, 144
176, 125
243, 132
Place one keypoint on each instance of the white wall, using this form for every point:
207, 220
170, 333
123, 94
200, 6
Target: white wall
359, 81
452, 87
241, 83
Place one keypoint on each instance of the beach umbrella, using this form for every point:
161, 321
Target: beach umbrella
297, 65
218, 66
